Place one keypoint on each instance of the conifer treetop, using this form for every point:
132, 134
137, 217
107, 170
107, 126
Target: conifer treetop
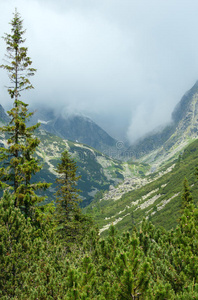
19, 161
17, 61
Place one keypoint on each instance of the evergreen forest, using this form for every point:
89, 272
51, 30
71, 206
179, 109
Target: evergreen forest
53, 250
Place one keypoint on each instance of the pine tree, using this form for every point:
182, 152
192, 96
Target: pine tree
71, 221
186, 197
17, 160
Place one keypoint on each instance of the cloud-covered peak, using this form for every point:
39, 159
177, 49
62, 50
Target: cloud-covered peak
127, 63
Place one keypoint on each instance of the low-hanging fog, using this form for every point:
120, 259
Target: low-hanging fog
124, 63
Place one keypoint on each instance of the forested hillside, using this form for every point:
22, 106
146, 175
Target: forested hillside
54, 251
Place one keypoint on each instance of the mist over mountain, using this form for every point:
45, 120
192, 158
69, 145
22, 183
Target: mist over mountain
121, 64
171, 138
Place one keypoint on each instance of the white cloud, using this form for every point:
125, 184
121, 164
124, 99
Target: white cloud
112, 59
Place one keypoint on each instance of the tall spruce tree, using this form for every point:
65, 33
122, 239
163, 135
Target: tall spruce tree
18, 162
67, 197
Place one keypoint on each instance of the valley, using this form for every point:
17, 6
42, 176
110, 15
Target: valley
139, 184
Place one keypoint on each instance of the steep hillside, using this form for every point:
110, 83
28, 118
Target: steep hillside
157, 197
162, 146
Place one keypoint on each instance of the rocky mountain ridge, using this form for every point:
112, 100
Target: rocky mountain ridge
160, 147
76, 128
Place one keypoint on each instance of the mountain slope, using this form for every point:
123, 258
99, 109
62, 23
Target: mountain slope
163, 145
76, 128
157, 198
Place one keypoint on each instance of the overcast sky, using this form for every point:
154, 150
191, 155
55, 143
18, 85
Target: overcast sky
125, 63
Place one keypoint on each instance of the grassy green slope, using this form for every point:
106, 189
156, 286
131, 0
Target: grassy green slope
158, 200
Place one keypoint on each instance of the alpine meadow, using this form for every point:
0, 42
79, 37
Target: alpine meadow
80, 223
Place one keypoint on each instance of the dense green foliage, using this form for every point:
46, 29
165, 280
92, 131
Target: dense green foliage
147, 264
